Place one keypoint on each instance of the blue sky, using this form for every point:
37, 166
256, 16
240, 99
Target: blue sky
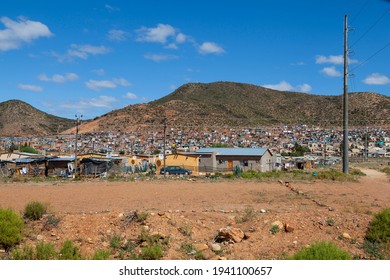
90, 57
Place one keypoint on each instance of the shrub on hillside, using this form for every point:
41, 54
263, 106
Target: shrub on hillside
11, 225
377, 240
69, 251
321, 251
35, 210
379, 228
101, 255
45, 251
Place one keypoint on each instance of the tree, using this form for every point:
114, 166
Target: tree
299, 150
28, 149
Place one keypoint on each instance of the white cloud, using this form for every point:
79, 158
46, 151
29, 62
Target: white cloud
85, 103
99, 72
111, 8
181, 38
210, 47
171, 46
376, 79
30, 87
117, 35
160, 57
282, 86
21, 31
285, 86
158, 34
81, 51
331, 72
333, 59
130, 95
99, 85
57, 78
121, 82
304, 88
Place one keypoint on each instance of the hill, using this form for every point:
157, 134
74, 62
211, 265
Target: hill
18, 118
237, 104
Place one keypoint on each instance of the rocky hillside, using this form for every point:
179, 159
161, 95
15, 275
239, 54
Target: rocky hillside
18, 118
209, 105
235, 104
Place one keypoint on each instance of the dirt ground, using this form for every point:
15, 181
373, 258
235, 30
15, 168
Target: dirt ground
191, 211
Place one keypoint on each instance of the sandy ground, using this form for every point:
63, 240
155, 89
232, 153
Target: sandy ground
92, 212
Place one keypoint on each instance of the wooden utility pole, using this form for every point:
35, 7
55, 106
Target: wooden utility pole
165, 132
78, 121
345, 104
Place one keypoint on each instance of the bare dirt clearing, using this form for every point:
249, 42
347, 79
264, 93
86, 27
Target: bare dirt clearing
192, 212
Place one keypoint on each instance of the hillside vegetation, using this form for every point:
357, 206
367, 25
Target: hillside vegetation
18, 118
236, 104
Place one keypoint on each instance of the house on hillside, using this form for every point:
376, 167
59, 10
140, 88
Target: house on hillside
187, 160
227, 159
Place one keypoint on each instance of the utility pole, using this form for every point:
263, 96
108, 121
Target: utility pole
345, 104
78, 122
165, 132
366, 145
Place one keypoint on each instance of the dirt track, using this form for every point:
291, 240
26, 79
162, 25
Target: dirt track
92, 210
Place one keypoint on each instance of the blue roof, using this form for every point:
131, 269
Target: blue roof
233, 151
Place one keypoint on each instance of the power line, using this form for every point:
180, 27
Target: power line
372, 56
371, 27
360, 11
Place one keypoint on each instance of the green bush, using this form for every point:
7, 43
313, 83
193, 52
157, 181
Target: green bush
69, 251
321, 251
35, 210
377, 240
379, 228
101, 255
27, 253
115, 242
11, 225
45, 251
386, 170
152, 252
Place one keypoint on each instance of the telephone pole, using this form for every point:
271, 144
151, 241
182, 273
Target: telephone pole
165, 132
78, 122
345, 95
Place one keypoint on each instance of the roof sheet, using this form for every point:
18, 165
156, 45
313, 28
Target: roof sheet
234, 151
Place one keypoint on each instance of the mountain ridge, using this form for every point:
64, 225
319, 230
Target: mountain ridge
226, 104
18, 118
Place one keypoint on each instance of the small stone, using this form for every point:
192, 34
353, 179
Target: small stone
161, 214
295, 243
215, 247
89, 240
346, 235
262, 211
330, 209
200, 247
146, 228
53, 233
105, 244
288, 227
120, 215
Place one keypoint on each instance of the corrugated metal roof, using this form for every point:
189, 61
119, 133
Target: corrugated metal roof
29, 160
234, 151
62, 159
